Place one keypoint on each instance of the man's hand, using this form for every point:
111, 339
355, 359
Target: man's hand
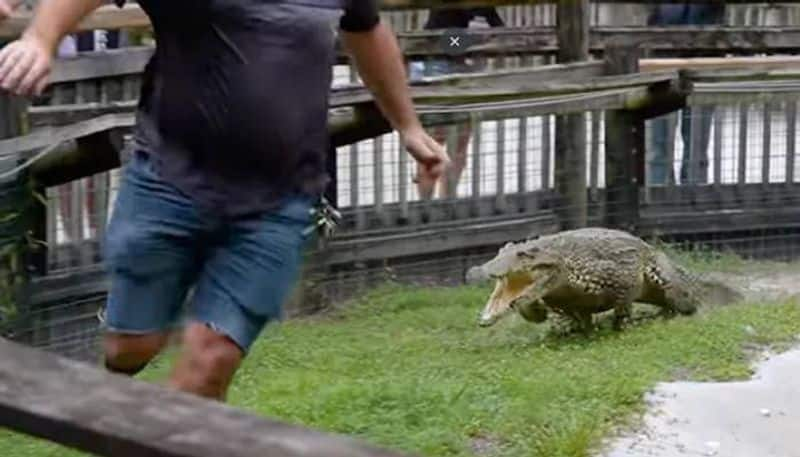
25, 66
7, 8
429, 154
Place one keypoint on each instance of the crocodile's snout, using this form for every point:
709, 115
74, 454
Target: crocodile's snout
485, 320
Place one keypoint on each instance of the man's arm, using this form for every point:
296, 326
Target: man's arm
379, 61
26, 63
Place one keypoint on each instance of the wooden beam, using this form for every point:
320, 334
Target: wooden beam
435, 240
132, 16
76, 405
345, 126
101, 64
483, 87
720, 63
127, 61
94, 153
543, 40
45, 137
59, 115
105, 17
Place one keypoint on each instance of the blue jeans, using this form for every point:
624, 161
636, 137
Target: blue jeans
159, 244
694, 165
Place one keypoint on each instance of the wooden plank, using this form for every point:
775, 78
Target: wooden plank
451, 144
791, 138
101, 64
719, 63
733, 197
500, 193
743, 138
766, 139
547, 150
696, 174
105, 17
402, 179
717, 222
459, 210
446, 91
45, 137
489, 86
355, 191
503, 41
431, 241
355, 126
594, 155
76, 405
377, 171
477, 158
522, 159
718, 148
70, 113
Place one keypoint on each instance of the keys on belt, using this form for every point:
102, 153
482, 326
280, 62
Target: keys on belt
326, 219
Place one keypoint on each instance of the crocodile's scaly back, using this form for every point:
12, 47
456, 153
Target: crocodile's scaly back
584, 271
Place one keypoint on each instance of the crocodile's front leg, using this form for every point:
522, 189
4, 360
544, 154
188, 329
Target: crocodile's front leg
530, 303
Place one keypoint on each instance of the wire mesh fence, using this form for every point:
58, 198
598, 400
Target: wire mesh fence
717, 176
701, 166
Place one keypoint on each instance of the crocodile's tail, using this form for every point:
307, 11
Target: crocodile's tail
687, 291
716, 293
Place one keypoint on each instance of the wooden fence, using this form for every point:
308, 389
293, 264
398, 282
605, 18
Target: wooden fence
558, 137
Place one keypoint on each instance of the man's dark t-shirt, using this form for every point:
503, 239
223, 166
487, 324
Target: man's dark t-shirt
234, 102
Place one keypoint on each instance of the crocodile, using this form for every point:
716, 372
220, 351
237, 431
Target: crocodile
582, 272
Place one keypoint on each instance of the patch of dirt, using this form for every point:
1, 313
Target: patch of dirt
483, 445
776, 282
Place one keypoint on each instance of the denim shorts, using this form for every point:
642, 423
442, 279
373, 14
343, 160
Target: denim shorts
160, 245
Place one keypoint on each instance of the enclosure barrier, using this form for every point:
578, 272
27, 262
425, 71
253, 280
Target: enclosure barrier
558, 140
79, 406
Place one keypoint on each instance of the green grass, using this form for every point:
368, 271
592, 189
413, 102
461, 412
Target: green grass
409, 369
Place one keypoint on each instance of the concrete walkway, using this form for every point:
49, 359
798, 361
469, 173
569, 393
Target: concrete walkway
755, 418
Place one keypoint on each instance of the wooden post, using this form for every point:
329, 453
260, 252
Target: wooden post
332, 190
625, 147
570, 167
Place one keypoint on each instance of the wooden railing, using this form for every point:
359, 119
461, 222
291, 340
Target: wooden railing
84, 408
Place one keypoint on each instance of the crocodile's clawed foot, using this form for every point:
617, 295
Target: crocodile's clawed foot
620, 323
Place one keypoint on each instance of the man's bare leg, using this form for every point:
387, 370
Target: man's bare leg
130, 354
207, 363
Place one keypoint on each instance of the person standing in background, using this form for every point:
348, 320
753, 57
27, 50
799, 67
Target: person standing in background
451, 18
86, 41
694, 166
70, 46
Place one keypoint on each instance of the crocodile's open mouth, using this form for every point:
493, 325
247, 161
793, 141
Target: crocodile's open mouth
506, 290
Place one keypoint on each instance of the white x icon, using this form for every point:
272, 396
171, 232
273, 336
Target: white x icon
454, 41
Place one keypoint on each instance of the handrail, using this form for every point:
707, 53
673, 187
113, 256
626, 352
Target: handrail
131, 15
80, 406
